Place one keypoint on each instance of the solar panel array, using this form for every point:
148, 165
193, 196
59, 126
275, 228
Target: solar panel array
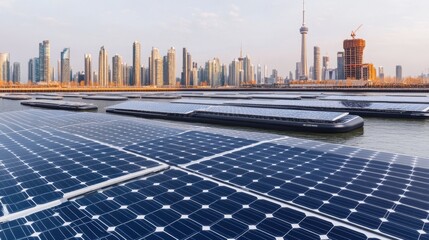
111, 182
340, 105
276, 113
387, 99
157, 107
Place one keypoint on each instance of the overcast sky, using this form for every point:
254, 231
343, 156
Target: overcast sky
396, 31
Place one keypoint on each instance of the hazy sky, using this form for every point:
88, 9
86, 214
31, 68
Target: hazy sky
397, 31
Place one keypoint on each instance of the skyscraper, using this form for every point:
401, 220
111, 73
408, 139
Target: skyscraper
303, 30
33, 70
117, 74
136, 64
171, 67
353, 58
234, 73
4, 67
187, 68
65, 66
247, 70
317, 74
16, 73
340, 66
103, 68
88, 70
381, 73
45, 59
259, 74
398, 73
156, 68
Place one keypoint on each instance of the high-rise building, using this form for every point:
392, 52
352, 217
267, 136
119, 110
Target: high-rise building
259, 74
224, 75
145, 76
326, 61
381, 73
368, 72
136, 64
303, 30
247, 70
340, 66
117, 74
4, 67
353, 58
398, 73
171, 67
103, 68
33, 70
187, 68
213, 70
298, 71
194, 76
88, 70
317, 74
45, 59
235, 73
156, 68
65, 66
16, 72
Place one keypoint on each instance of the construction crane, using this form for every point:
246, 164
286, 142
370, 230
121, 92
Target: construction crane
355, 31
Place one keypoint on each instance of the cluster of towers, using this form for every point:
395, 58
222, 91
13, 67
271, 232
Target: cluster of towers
349, 63
160, 71
9, 73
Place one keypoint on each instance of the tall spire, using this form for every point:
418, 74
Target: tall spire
303, 12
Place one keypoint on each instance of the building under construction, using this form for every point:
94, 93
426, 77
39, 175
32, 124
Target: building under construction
353, 58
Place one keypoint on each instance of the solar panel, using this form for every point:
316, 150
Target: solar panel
157, 107
201, 101
186, 147
315, 104
105, 98
345, 105
387, 99
174, 205
276, 113
41, 170
58, 181
374, 194
122, 133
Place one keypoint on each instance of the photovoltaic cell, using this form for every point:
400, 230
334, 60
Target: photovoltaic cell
186, 147
276, 113
386, 99
157, 107
374, 194
316, 104
41, 170
122, 133
172, 205
289, 188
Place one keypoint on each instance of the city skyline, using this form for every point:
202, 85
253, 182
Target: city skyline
276, 44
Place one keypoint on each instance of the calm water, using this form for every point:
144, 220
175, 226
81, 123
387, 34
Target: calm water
409, 137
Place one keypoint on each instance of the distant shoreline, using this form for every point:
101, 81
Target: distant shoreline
356, 90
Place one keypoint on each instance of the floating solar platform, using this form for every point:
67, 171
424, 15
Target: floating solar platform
217, 96
276, 96
74, 95
154, 108
61, 105
169, 181
279, 119
161, 97
105, 98
49, 98
377, 109
16, 97
383, 99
